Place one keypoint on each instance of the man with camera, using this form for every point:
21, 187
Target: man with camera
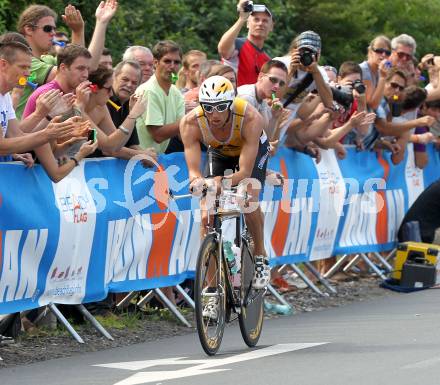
305, 76
246, 55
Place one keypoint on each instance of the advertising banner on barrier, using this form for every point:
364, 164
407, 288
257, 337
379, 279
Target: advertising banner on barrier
109, 225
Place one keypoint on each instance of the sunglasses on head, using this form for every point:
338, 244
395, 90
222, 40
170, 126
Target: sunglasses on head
397, 86
220, 107
275, 80
381, 51
47, 28
404, 56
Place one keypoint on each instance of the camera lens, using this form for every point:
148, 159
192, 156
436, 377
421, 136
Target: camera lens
306, 58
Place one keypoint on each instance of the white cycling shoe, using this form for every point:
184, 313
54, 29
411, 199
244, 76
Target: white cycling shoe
210, 310
262, 273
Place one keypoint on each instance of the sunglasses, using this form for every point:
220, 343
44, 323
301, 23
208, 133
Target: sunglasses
396, 86
275, 80
169, 61
381, 51
404, 56
220, 107
47, 28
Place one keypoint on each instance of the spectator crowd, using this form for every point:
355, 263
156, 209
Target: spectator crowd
62, 101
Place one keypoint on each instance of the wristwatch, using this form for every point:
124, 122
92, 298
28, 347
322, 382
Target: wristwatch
124, 130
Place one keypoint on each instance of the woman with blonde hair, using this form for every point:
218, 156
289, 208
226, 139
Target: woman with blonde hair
375, 69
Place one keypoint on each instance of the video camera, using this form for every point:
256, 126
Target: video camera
249, 6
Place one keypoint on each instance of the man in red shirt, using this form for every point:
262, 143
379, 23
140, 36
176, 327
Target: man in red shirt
246, 55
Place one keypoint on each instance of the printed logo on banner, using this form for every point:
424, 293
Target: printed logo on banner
330, 196
162, 180
22, 252
76, 205
66, 278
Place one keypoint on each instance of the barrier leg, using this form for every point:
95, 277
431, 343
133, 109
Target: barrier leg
94, 322
307, 280
321, 279
277, 295
391, 254
383, 261
171, 306
373, 266
186, 297
146, 298
352, 262
66, 323
336, 266
126, 299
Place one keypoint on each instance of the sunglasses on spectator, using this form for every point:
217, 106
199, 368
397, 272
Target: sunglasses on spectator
47, 28
381, 51
397, 86
404, 56
169, 61
275, 80
220, 107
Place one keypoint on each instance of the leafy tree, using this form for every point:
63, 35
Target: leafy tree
346, 27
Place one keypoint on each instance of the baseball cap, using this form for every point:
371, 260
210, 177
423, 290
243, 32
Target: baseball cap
261, 8
309, 39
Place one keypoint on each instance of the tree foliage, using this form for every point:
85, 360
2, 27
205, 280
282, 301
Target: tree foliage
345, 27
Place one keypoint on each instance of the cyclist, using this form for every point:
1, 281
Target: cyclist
233, 132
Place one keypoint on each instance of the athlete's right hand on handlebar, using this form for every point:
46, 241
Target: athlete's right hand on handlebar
198, 186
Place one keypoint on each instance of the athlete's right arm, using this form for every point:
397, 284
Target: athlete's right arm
191, 138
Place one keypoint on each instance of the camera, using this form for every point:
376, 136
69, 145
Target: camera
307, 57
359, 86
250, 7
342, 95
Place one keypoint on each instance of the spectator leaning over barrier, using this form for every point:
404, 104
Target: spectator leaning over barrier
348, 118
37, 24
346, 128
305, 76
403, 51
188, 74
246, 55
73, 64
15, 62
106, 59
144, 57
396, 119
126, 79
375, 69
97, 111
422, 134
263, 96
159, 125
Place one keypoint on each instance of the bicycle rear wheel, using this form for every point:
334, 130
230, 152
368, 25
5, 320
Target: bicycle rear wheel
251, 315
209, 284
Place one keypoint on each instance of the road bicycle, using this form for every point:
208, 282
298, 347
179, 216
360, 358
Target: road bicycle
233, 292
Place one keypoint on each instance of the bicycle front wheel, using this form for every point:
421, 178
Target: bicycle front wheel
209, 288
251, 315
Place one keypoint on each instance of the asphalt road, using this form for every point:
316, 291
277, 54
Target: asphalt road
391, 340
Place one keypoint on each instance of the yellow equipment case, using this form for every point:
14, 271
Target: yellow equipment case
426, 251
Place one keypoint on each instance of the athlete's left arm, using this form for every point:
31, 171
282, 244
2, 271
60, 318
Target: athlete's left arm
251, 133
